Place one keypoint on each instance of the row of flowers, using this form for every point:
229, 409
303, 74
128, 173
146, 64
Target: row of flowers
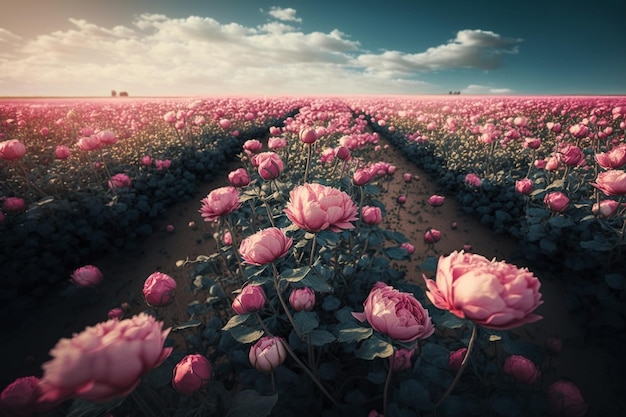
300, 309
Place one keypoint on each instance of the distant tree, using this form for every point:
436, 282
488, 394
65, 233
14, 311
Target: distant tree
123, 94
113, 93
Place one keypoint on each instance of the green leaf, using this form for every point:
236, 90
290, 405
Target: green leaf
321, 337
316, 282
374, 347
187, 325
83, 408
249, 403
331, 303
236, 321
548, 245
352, 332
615, 281
244, 334
306, 321
295, 275
396, 253
560, 221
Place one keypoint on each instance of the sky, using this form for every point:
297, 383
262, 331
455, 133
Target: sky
304, 47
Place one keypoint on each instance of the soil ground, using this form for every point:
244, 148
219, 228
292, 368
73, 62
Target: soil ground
26, 348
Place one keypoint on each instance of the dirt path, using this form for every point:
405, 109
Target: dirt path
125, 273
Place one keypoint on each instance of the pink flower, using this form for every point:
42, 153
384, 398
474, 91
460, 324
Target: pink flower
105, 361
250, 299
19, 398
361, 177
119, 181
495, 295
159, 289
432, 236
409, 248
436, 200
12, 150
62, 152
524, 186
276, 143
401, 199
170, 228
227, 239
308, 135
579, 131
302, 299
473, 180
611, 182
521, 369
402, 359
606, 209
455, 358
342, 153
146, 160
89, 143
554, 345
552, 163
572, 155
265, 246
107, 137
532, 143
396, 314
86, 276
162, 163
556, 201
615, 158
375, 413
565, 399
407, 177
239, 177
225, 124
268, 353
115, 313
253, 146
191, 374
371, 215
219, 202
269, 165
316, 207
14, 205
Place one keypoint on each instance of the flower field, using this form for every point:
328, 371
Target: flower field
300, 308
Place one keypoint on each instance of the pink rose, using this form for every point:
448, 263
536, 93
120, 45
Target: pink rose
401, 199
219, 202
253, 146
268, 353
12, 150
611, 182
89, 143
524, 186
432, 236
606, 209
521, 369
62, 152
105, 361
308, 135
14, 205
553, 162
554, 345
473, 180
265, 246
532, 143
495, 295
579, 131
115, 313
572, 155
342, 153
396, 314
436, 200
302, 299
615, 158
409, 248
107, 137
455, 358
119, 181
269, 165
19, 398
276, 143
315, 207
239, 177
86, 276
565, 399
556, 201
161, 164
159, 289
407, 177
146, 160
225, 124
191, 374
250, 299
371, 215
361, 177
227, 238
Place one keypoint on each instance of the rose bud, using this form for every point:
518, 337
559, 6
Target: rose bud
250, 299
565, 399
159, 289
436, 200
521, 369
456, 358
268, 353
191, 374
86, 276
302, 299
432, 236
371, 215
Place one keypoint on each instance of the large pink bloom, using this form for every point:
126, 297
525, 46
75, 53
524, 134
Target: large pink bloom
265, 246
105, 361
11, 150
219, 202
611, 182
615, 158
396, 314
315, 207
495, 295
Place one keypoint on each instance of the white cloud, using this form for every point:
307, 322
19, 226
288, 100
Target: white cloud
476, 49
287, 14
158, 55
484, 89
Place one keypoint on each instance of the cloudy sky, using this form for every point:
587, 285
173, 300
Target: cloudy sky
275, 47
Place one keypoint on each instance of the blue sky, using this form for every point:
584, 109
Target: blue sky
162, 47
